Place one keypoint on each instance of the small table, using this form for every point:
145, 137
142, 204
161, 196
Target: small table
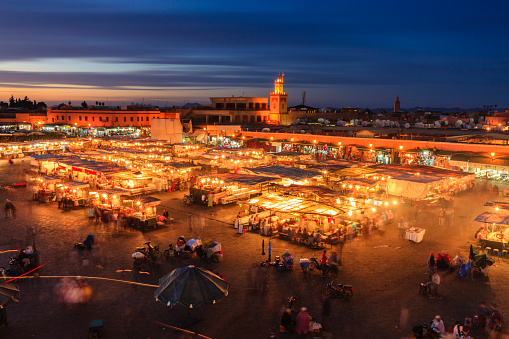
415, 234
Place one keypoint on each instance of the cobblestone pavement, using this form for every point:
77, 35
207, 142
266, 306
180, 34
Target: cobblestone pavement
384, 270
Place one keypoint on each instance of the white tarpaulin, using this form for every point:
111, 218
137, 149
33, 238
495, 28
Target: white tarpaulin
407, 189
411, 186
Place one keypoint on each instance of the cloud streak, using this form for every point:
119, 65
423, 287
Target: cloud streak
364, 53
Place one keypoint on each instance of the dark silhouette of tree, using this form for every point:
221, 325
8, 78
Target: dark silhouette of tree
69, 103
97, 103
84, 104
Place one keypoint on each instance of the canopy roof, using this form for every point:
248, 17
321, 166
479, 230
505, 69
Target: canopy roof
243, 179
51, 179
295, 205
180, 165
359, 182
355, 171
293, 173
112, 191
493, 218
441, 172
76, 184
319, 190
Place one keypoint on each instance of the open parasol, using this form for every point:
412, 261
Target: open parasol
191, 286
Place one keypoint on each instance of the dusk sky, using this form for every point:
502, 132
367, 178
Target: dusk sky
429, 53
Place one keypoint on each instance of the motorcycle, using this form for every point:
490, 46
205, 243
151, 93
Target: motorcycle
188, 199
335, 291
143, 262
150, 251
313, 263
284, 265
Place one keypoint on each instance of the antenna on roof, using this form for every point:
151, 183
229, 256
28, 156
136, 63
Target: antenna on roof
303, 98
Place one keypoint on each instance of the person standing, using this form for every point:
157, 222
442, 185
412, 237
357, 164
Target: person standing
210, 199
325, 267
441, 217
303, 321
438, 324
401, 228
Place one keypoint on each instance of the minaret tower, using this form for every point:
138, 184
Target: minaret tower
278, 99
397, 105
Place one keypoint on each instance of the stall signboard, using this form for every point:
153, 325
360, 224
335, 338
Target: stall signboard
77, 169
90, 172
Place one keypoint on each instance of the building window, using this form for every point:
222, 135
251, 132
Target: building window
146, 119
63, 118
52, 119
80, 117
258, 118
69, 117
116, 119
219, 105
100, 118
132, 119
137, 118
57, 117
257, 105
264, 106
250, 105
125, 119
86, 118
93, 118
107, 119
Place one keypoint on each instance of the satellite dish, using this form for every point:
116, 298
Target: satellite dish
407, 125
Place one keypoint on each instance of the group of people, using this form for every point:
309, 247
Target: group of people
303, 323
65, 201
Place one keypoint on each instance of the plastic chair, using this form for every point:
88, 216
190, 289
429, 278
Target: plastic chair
488, 250
495, 252
504, 254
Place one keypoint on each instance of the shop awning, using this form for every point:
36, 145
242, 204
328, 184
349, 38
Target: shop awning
51, 179
493, 218
152, 201
295, 205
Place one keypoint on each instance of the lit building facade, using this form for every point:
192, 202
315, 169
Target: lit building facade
242, 110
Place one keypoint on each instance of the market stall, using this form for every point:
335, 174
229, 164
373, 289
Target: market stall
74, 191
495, 231
228, 188
143, 211
45, 188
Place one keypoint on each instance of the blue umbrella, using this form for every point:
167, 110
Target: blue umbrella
191, 286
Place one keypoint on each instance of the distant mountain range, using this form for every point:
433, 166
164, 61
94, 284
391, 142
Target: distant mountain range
190, 104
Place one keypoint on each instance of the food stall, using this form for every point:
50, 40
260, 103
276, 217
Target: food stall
144, 211
45, 188
76, 191
229, 188
496, 230
107, 201
287, 216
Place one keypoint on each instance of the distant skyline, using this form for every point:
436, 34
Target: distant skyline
365, 53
